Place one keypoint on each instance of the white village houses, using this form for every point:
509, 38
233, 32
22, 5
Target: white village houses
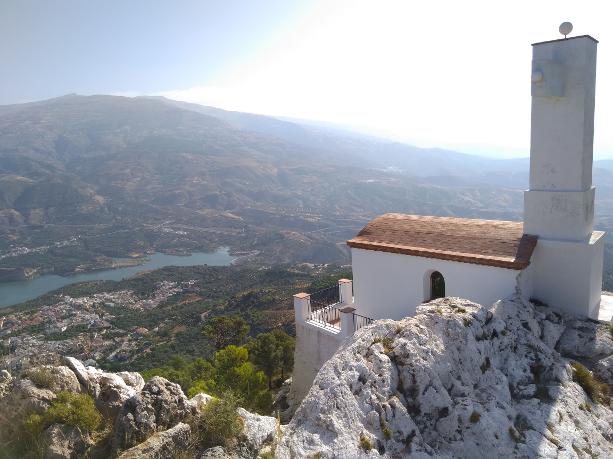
554, 256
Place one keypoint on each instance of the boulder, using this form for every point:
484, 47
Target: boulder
25, 398
65, 442
585, 340
87, 376
198, 401
21, 399
132, 379
161, 445
112, 394
257, 429
604, 370
159, 406
54, 378
110, 390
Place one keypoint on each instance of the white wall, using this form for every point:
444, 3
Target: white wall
390, 285
568, 275
314, 346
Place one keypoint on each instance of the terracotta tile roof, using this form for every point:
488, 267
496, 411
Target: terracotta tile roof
483, 242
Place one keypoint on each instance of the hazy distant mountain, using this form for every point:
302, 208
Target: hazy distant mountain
133, 174
371, 151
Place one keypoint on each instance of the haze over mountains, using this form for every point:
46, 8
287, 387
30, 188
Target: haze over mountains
148, 173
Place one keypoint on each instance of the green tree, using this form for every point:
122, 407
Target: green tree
226, 361
286, 344
226, 330
266, 354
235, 373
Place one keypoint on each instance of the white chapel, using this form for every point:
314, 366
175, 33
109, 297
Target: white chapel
554, 256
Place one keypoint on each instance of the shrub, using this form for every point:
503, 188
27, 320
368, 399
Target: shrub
218, 422
41, 377
474, 417
77, 410
597, 390
365, 443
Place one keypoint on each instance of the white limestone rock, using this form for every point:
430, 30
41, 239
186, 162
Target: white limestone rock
161, 445
585, 339
457, 381
159, 406
199, 401
110, 390
257, 429
132, 379
87, 376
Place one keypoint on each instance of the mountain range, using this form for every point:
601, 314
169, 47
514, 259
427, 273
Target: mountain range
131, 175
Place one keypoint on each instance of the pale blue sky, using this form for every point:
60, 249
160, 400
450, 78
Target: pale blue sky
53, 47
446, 73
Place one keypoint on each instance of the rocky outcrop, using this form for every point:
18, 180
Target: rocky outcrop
218, 452
199, 401
6, 381
54, 378
458, 380
65, 442
160, 405
110, 390
24, 397
285, 403
257, 430
149, 420
604, 369
132, 379
161, 445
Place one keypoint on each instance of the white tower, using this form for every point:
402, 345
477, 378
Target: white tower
559, 206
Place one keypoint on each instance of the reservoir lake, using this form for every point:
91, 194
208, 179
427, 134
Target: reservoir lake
17, 292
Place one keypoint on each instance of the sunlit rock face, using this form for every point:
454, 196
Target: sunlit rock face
458, 380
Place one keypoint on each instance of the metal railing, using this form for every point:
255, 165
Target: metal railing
323, 307
360, 321
324, 297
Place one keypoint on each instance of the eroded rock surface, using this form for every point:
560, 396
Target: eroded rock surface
65, 442
161, 445
458, 380
257, 429
160, 405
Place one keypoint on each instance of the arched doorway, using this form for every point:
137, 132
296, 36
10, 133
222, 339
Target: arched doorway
437, 285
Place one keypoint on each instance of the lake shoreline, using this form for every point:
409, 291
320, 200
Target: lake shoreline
16, 292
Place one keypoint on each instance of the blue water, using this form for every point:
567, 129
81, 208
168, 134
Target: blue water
17, 292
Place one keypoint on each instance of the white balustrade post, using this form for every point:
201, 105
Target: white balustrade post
301, 306
345, 291
347, 326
